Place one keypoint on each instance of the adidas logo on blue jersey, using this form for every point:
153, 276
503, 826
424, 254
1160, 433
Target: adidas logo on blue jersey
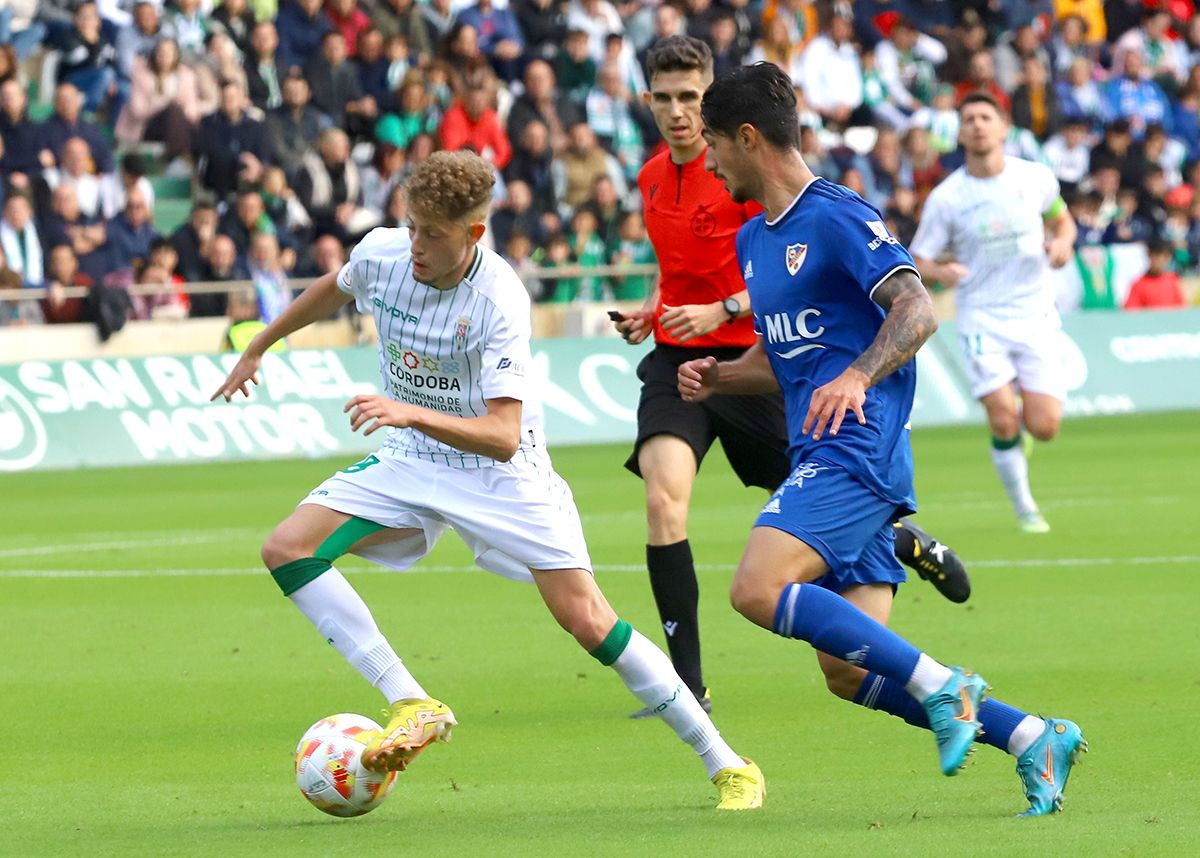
772, 506
748, 271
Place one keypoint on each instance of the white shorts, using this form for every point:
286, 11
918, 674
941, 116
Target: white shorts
1000, 351
514, 516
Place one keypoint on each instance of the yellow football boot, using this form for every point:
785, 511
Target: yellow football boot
740, 789
414, 725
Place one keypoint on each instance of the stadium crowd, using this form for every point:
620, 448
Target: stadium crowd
293, 125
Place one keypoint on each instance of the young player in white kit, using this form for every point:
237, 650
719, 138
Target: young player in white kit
464, 450
1002, 224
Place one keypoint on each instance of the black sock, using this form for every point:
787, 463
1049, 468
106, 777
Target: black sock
673, 581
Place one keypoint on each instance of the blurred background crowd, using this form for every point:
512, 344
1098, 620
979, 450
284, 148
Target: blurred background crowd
144, 142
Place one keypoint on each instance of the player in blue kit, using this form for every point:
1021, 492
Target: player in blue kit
840, 312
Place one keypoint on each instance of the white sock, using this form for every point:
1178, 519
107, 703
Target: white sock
1026, 734
927, 677
343, 619
1013, 469
648, 673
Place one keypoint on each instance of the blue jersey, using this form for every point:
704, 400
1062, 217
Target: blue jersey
811, 274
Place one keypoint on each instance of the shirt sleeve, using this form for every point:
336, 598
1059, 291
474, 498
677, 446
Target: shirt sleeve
506, 353
868, 252
933, 234
1050, 193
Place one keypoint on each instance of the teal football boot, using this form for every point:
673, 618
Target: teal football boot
1046, 765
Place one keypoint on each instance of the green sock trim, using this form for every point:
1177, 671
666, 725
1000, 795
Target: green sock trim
1000, 444
614, 644
292, 576
340, 540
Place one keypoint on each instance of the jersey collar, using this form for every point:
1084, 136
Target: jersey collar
792, 204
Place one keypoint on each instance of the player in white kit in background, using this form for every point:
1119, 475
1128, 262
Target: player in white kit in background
992, 230
464, 450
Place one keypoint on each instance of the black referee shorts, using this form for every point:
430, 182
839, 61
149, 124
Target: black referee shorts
752, 429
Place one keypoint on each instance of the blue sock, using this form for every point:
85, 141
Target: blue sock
878, 692
835, 627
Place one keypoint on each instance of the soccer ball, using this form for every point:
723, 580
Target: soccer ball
329, 769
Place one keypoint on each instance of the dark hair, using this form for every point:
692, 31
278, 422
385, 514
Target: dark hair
1157, 245
760, 95
979, 96
134, 164
678, 53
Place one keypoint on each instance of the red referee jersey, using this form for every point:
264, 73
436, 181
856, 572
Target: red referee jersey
692, 223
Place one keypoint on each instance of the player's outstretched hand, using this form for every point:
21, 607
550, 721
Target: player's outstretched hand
952, 274
692, 320
380, 409
697, 379
635, 327
830, 402
1059, 252
244, 371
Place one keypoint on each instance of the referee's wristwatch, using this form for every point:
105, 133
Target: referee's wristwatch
733, 307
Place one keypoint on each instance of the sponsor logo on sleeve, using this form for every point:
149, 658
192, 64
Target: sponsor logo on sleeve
882, 236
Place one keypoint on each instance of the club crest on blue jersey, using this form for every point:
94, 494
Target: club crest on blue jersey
795, 257
461, 329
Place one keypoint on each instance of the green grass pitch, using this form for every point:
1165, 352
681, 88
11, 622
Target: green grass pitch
153, 682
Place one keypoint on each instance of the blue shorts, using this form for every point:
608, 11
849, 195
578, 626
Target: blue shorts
842, 520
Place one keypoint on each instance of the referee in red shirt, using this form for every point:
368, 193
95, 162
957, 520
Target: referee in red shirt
700, 308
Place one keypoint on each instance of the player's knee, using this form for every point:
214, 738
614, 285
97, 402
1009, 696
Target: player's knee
283, 546
1043, 427
752, 601
588, 629
666, 515
1004, 424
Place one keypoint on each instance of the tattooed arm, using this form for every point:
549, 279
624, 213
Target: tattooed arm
910, 322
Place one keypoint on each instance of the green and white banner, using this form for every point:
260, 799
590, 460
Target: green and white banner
104, 411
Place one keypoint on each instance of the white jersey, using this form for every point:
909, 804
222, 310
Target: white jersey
995, 227
448, 350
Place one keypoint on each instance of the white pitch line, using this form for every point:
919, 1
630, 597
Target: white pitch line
1022, 563
157, 542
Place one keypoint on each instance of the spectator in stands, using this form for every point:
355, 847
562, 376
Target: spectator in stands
404, 18
722, 38
381, 175
439, 18
1131, 96
611, 114
1163, 59
395, 213
398, 61
1159, 288
140, 37
1034, 103
164, 105
1079, 94
293, 126
1185, 114
20, 241
472, 123
349, 20
63, 273
76, 169
335, 88
543, 102
907, 60
576, 169
884, 169
922, 161
247, 216
270, 280
831, 74
66, 224
88, 60
1116, 149
329, 187
595, 18
605, 204
668, 21
1068, 153
328, 256
1090, 12
1127, 225
220, 61
1070, 43
301, 25
632, 247
265, 72
291, 222
533, 164
244, 323
543, 24
221, 265
373, 68
115, 187
981, 77
66, 121
187, 24
776, 46
236, 20
412, 116
231, 145
9, 67
24, 153
500, 36
19, 27
574, 68
172, 302
1012, 51
130, 233
193, 241
516, 214
16, 312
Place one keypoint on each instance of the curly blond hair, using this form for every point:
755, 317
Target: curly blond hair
451, 186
